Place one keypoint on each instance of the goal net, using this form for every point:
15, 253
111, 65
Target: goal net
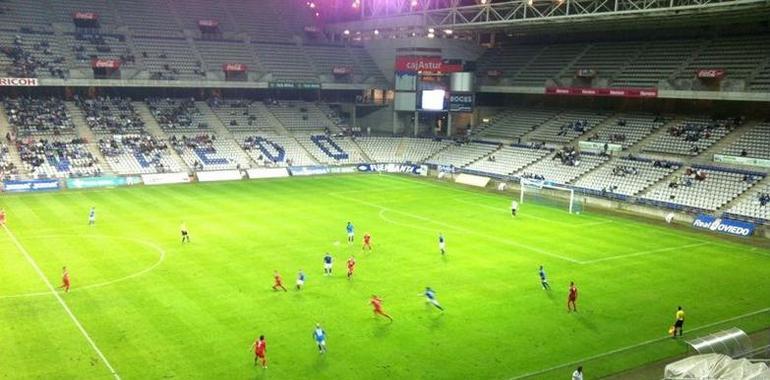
537, 191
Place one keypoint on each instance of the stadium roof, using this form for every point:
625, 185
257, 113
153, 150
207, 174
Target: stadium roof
531, 16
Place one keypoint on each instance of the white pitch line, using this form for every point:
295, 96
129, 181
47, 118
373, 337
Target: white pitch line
61, 301
161, 257
642, 253
631, 347
489, 237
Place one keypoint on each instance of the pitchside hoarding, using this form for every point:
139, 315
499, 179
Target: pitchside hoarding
395, 168
26, 186
723, 225
92, 182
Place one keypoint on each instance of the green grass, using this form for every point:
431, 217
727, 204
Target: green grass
160, 309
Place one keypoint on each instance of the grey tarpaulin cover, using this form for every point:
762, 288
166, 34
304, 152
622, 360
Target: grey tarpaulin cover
716, 367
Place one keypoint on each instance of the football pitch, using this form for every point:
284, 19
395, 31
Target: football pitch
146, 306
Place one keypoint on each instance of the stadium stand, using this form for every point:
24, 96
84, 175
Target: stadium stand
105, 115
177, 115
755, 205
692, 136
567, 126
738, 56
398, 150
459, 155
206, 152
168, 58
564, 166
755, 143
286, 62
265, 148
8, 169
508, 159
85, 47
137, 154
658, 61
32, 54
57, 158
148, 17
217, 53
627, 129
241, 114
705, 188
626, 176
38, 116
548, 64
299, 116
606, 59
515, 123
18, 14
507, 60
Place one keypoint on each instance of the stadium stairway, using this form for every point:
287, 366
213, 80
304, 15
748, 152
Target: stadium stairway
361, 152
5, 127
752, 192
153, 128
484, 157
707, 156
637, 148
82, 130
218, 127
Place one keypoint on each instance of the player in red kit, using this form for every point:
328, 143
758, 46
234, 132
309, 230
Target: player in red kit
2, 216
573, 293
367, 241
260, 347
377, 304
351, 266
65, 280
278, 282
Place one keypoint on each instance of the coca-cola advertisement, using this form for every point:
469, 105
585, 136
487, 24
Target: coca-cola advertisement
342, 70
208, 23
86, 16
101, 63
234, 68
711, 73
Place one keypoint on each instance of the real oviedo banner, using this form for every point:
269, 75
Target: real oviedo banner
723, 225
415, 63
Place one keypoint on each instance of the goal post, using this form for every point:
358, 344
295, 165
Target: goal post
538, 191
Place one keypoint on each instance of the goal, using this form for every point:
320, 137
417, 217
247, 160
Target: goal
538, 191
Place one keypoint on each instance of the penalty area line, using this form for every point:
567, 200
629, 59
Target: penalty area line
58, 297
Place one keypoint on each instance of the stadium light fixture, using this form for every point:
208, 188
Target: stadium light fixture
376, 32
448, 31
346, 32
431, 30
414, 3
530, 2
312, 5
431, 35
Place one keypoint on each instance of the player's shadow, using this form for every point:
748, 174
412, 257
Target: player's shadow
382, 329
436, 321
320, 362
586, 321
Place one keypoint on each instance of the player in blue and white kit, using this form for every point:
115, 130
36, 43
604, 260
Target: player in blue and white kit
430, 297
543, 279
441, 243
328, 264
300, 279
92, 216
319, 335
351, 232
